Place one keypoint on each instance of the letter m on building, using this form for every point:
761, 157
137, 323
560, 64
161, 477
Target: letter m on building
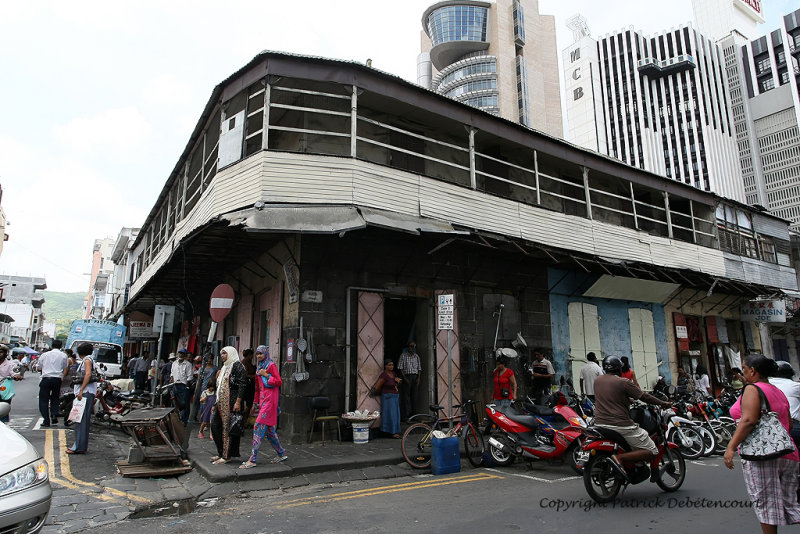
575, 55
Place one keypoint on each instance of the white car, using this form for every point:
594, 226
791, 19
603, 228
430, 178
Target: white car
25, 492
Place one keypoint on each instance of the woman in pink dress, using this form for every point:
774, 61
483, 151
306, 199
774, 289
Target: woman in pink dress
268, 383
771, 484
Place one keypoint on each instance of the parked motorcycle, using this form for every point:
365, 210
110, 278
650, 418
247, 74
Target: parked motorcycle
514, 433
602, 481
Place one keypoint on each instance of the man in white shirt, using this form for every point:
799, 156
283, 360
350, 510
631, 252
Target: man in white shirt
589, 373
181, 375
51, 364
790, 388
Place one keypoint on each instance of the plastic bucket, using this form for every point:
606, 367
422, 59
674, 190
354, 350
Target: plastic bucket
360, 432
445, 456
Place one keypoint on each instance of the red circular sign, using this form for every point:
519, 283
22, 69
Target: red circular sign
221, 302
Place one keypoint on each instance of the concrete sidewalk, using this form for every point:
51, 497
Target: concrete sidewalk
382, 455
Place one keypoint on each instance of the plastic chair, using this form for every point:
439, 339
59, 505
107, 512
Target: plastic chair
320, 406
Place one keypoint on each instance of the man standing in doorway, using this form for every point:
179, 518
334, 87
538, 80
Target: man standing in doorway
51, 364
182, 371
589, 373
410, 369
543, 372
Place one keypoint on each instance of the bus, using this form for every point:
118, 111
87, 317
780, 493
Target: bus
107, 338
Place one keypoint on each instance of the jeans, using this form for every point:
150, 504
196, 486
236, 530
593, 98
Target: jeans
49, 388
82, 428
182, 400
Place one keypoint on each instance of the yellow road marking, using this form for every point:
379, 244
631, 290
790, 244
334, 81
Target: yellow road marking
51, 468
66, 472
387, 489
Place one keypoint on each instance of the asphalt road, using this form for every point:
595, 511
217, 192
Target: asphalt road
543, 498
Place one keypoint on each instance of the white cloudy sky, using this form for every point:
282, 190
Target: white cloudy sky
100, 97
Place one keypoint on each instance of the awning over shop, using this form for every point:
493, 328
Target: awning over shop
626, 288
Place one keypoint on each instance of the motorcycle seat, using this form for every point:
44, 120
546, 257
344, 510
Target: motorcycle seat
526, 420
614, 436
540, 409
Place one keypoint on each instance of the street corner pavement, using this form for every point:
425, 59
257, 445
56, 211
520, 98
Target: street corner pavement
334, 461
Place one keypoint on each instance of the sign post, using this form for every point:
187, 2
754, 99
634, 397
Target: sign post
164, 317
444, 321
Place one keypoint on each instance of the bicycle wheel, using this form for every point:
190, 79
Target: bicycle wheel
473, 445
416, 445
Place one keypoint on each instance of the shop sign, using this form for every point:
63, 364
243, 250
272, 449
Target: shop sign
141, 330
764, 311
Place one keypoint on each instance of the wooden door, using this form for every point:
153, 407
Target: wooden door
443, 368
643, 347
370, 348
584, 337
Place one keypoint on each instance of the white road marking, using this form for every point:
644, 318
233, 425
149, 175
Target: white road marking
537, 479
38, 423
20, 423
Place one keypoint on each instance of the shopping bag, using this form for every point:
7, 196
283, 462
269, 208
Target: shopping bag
78, 407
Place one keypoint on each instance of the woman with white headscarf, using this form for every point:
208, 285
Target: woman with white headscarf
231, 385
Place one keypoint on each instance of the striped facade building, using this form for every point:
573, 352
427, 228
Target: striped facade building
657, 102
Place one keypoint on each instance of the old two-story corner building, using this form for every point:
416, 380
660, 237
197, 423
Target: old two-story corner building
339, 201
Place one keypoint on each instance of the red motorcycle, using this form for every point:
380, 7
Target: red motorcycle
515, 433
602, 480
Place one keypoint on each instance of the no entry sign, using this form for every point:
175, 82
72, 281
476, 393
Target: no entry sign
221, 302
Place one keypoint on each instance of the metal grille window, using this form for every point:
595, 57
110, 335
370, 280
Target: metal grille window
519, 24
484, 67
522, 92
471, 87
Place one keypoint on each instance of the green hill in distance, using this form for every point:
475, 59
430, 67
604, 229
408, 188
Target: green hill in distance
62, 308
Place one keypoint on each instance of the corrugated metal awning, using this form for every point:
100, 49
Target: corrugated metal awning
332, 219
626, 288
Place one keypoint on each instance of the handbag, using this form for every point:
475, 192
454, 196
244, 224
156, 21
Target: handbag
77, 378
768, 439
7, 389
236, 427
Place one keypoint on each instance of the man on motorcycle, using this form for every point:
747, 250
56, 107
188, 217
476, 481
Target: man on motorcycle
613, 396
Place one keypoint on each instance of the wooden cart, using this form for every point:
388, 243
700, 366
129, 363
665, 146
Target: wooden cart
158, 433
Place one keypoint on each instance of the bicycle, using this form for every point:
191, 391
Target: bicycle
418, 438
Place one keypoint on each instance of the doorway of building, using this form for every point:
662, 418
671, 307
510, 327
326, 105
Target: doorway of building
407, 319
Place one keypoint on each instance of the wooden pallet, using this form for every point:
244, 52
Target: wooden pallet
151, 470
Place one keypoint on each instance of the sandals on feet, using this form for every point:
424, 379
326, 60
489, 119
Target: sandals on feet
219, 461
247, 465
279, 459
214, 458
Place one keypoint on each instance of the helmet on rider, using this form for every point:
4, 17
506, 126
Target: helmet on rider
785, 370
612, 365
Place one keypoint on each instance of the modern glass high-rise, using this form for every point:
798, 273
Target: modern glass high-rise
500, 57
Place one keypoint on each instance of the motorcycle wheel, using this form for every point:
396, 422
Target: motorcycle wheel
692, 445
576, 457
416, 445
599, 479
709, 440
723, 436
499, 457
671, 470
473, 445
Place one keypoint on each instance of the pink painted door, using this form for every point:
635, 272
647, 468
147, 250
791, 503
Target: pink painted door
244, 322
370, 348
442, 373
268, 322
